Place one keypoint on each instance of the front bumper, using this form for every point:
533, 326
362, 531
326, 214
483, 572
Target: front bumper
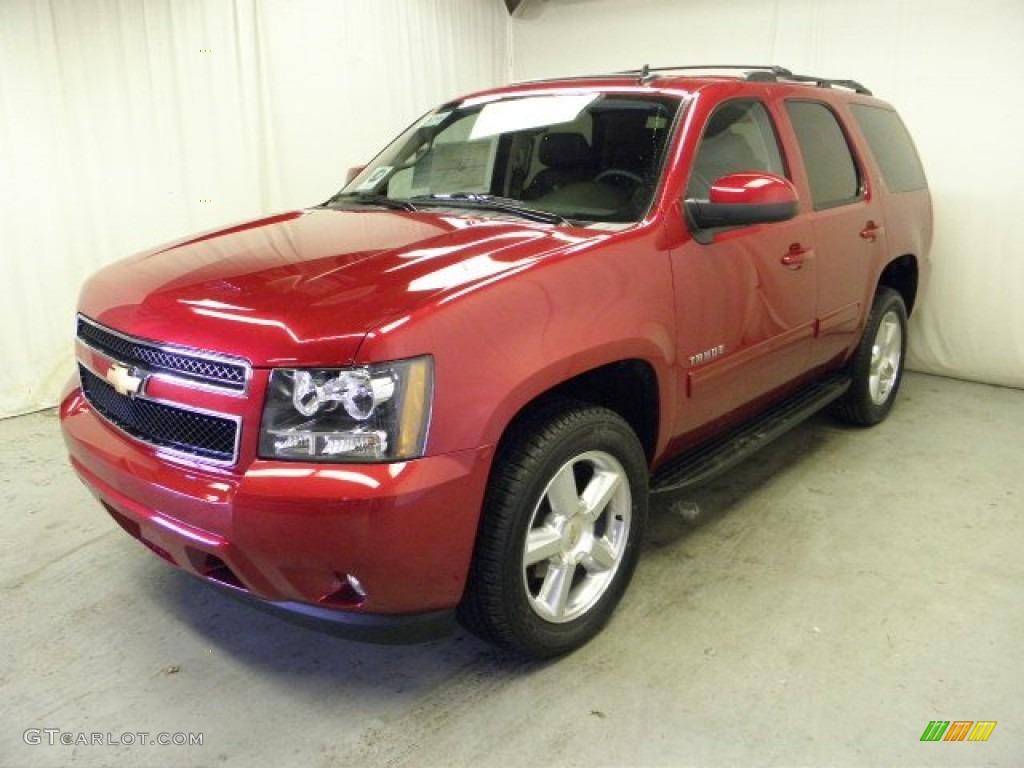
289, 535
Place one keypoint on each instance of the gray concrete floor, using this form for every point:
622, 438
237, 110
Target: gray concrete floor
836, 593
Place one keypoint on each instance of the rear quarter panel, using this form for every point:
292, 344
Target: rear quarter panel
908, 215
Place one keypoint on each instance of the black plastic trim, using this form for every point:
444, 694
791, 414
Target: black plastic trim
384, 629
708, 215
719, 454
126, 413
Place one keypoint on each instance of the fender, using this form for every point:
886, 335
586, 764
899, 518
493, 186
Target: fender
506, 342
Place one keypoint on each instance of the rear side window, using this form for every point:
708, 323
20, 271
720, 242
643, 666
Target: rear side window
831, 169
892, 147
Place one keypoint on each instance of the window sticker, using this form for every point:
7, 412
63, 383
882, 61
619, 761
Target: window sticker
460, 167
374, 178
656, 122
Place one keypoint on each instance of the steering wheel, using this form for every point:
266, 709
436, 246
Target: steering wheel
621, 174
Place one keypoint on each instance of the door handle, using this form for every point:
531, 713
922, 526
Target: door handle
795, 257
871, 231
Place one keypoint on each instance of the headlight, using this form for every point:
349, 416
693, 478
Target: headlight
362, 414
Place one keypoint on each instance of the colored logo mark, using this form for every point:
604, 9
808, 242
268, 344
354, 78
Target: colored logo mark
958, 730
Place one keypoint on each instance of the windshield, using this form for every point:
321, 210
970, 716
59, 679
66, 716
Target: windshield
585, 157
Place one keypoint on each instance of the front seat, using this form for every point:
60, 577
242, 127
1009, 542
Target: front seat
567, 157
721, 154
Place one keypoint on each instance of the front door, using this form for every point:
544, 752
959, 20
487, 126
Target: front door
746, 300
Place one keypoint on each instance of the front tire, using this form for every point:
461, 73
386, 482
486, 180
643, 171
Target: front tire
877, 365
561, 529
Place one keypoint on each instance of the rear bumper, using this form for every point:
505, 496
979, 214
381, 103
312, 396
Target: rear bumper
290, 535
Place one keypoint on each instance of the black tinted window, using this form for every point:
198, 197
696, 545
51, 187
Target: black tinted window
830, 167
892, 147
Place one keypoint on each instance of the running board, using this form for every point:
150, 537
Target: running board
719, 454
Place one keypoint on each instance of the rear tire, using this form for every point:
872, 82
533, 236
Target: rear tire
560, 533
877, 365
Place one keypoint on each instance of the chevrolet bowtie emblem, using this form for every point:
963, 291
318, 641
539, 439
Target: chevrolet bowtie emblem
123, 380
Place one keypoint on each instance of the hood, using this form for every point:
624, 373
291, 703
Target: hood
306, 287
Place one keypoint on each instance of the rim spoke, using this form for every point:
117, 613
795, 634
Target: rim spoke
562, 494
542, 544
599, 491
554, 594
602, 556
576, 538
887, 338
876, 357
889, 334
885, 358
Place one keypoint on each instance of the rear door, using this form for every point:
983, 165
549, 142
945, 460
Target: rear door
845, 221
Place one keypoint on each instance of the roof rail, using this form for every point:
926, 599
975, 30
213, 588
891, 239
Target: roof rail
821, 82
763, 73
647, 72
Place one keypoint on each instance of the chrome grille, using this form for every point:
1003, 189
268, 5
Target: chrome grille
198, 434
190, 365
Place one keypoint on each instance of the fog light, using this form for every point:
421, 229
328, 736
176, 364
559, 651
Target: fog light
347, 592
357, 586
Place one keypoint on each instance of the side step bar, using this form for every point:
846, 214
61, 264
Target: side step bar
719, 454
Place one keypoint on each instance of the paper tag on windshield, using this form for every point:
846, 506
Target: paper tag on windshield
436, 119
374, 178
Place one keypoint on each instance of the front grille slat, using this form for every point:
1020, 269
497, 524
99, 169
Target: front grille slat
202, 435
194, 366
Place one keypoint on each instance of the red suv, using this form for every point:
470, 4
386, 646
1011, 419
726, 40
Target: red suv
449, 390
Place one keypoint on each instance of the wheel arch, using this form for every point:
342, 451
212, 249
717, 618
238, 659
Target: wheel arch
628, 387
902, 275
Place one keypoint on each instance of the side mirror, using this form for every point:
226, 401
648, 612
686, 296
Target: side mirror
742, 199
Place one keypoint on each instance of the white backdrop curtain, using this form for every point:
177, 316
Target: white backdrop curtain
126, 123
952, 68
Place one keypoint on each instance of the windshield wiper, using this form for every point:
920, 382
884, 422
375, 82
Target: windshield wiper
381, 200
490, 203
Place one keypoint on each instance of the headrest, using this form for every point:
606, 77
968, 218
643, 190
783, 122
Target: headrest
730, 144
564, 150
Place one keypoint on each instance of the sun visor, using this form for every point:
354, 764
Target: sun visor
530, 112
